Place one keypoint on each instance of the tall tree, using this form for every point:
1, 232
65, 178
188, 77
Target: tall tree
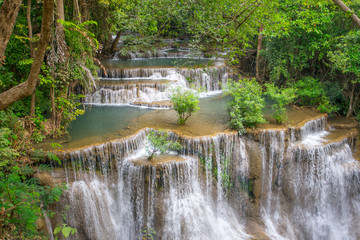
32, 50
26, 88
8, 14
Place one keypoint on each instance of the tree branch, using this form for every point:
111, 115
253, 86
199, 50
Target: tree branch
25, 89
347, 10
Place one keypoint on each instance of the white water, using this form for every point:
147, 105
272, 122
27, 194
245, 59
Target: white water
210, 80
172, 198
310, 189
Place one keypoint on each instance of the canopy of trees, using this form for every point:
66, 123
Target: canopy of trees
293, 40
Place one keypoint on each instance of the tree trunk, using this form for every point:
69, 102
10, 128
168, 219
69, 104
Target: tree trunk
8, 14
84, 10
351, 97
25, 89
53, 109
258, 56
62, 50
347, 10
115, 42
76, 13
28, 18
32, 106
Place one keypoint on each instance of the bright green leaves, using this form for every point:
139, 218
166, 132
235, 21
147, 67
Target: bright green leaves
346, 56
159, 142
298, 37
6, 152
246, 104
64, 230
53, 157
22, 200
78, 38
185, 102
281, 98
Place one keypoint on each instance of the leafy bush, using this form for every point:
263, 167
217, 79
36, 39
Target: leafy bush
185, 102
159, 143
246, 105
281, 98
22, 200
312, 93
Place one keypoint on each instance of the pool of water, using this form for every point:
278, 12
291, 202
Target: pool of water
158, 62
103, 123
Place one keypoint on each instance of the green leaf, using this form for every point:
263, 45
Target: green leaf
52, 156
57, 230
66, 231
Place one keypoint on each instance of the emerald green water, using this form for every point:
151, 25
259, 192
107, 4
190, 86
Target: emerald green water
103, 123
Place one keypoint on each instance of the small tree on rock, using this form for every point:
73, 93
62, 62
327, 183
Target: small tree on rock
185, 102
159, 142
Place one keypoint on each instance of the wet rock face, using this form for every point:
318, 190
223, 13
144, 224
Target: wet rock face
289, 181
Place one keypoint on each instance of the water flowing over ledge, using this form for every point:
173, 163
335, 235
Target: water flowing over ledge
134, 88
295, 182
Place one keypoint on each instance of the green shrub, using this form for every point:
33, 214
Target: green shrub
281, 98
185, 102
22, 200
246, 104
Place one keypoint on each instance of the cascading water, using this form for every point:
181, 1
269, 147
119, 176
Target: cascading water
126, 84
172, 197
128, 93
310, 188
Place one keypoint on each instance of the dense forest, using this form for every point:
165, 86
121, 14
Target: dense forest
303, 52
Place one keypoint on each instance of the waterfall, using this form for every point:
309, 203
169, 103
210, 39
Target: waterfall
147, 85
313, 127
308, 186
321, 187
295, 183
272, 152
128, 93
49, 226
168, 197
